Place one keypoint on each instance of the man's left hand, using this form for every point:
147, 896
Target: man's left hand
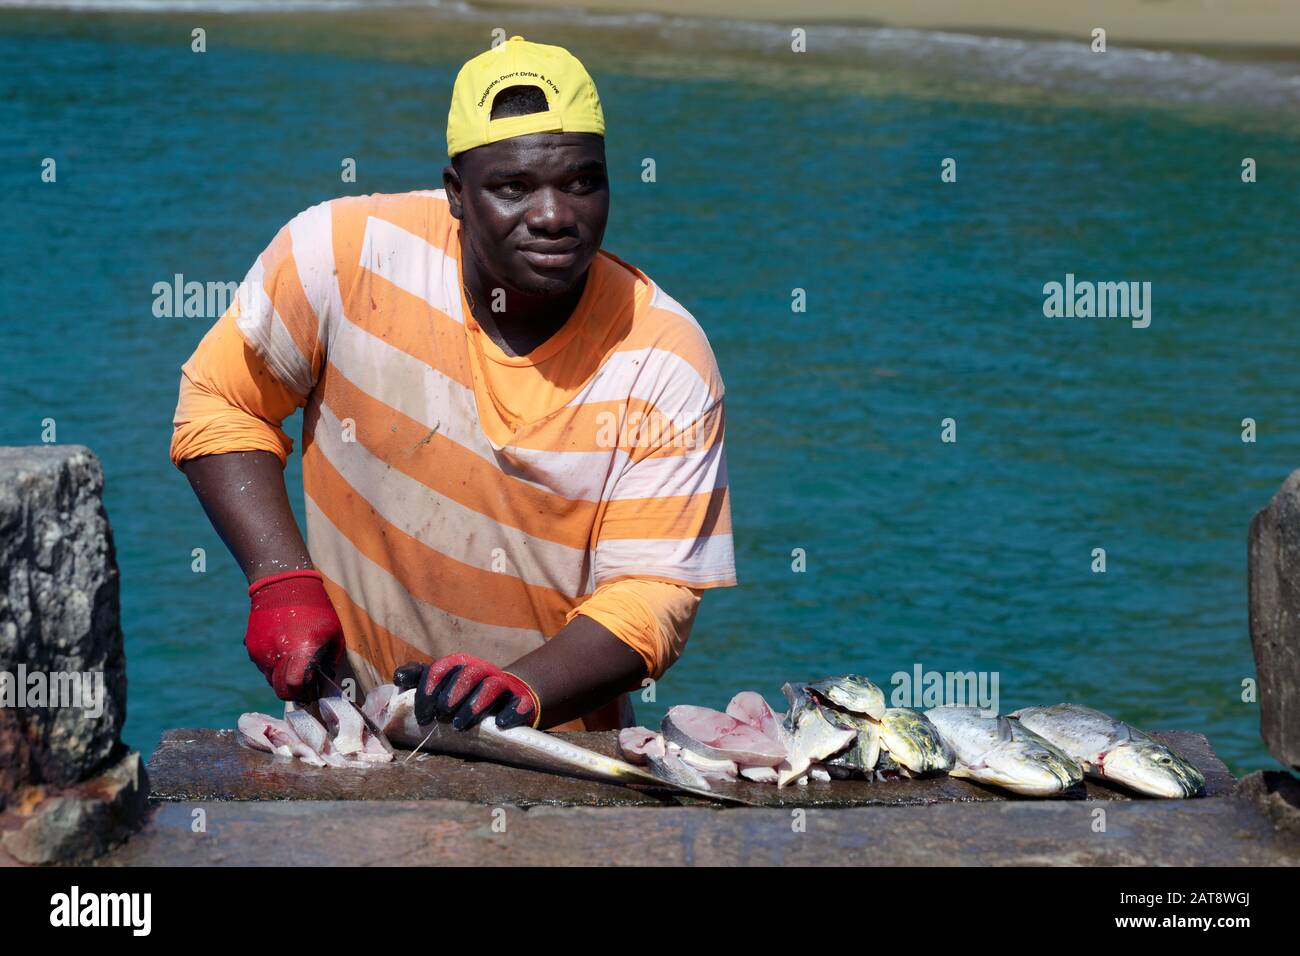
466, 689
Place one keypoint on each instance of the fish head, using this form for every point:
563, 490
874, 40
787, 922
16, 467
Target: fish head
914, 741
1153, 769
1025, 767
864, 752
852, 692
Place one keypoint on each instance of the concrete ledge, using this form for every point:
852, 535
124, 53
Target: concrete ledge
1217, 831
253, 809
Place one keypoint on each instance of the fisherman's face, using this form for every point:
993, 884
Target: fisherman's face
532, 209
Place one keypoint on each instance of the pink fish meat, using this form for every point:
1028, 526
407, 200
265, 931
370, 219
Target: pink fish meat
750, 708
637, 742
252, 729
377, 701
346, 742
259, 732
721, 737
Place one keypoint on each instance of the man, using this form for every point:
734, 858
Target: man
513, 458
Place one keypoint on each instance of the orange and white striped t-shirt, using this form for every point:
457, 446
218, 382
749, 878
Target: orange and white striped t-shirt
459, 498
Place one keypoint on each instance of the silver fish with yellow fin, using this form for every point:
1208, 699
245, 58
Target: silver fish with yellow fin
1109, 749
1004, 753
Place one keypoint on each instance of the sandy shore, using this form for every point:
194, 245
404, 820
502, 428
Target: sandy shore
1205, 24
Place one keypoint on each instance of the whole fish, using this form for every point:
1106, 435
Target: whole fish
520, 746
851, 692
1112, 750
1002, 752
914, 741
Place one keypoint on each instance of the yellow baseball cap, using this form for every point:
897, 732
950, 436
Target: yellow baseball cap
572, 103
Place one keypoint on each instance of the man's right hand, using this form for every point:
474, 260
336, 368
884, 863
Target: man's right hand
293, 632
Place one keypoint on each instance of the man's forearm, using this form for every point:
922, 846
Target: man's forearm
244, 496
578, 670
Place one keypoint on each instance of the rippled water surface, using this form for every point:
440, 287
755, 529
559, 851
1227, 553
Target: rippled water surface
924, 302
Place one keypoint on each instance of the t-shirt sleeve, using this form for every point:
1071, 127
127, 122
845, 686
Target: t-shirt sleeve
263, 357
229, 401
651, 617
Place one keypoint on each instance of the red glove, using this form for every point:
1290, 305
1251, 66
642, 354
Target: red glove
293, 632
467, 689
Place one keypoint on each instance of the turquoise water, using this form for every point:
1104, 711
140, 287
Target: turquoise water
924, 302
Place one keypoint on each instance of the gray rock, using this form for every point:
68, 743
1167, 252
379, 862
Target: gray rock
15, 755
1277, 794
1275, 619
58, 612
78, 824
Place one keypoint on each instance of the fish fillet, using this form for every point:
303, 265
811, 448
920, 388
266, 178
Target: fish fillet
260, 732
709, 768
344, 724
752, 708
252, 733
720, 736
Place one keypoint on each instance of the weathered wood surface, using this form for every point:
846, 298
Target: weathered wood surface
210, 765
